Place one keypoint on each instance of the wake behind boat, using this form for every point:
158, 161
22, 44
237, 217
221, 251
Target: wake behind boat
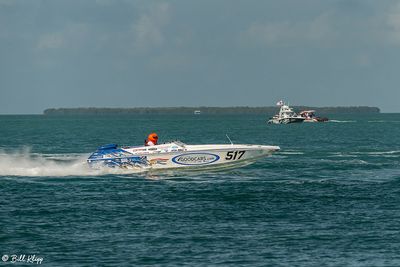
178, 155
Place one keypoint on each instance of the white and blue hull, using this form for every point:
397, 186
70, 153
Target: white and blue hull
178, 155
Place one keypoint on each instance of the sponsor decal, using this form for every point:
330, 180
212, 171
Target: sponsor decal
158, 161
128, 162
195, 158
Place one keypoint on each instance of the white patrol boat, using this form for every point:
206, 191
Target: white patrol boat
286, 115
178, 155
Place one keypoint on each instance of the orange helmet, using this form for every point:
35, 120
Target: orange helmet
153, 138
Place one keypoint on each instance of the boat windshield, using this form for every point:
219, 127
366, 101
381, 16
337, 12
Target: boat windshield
179, 143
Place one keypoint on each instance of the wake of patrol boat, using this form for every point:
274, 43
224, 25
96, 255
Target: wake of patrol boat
25, 163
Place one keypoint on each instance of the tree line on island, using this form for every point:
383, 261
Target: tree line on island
206, 110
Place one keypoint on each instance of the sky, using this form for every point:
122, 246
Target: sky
109, 53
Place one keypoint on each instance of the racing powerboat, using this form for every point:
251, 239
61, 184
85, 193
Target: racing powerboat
178, 155
286, 115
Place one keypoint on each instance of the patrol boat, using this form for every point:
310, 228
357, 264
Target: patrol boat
178, 155
286, 115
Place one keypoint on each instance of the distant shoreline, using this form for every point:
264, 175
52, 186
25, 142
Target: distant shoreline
206, 110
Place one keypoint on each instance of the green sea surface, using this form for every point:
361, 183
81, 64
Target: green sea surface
330, 197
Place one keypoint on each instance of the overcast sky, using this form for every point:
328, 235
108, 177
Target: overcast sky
105, 53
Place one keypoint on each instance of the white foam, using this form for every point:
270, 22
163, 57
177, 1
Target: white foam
24, 163
291, 153
384, 152
392, 152
337, 121
340, 154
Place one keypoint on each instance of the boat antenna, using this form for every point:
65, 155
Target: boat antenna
229, 139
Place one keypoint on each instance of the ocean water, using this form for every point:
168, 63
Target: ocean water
330, 197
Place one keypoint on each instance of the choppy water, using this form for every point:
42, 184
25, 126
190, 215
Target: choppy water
331, 197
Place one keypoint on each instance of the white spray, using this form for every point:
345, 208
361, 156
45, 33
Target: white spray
25, 163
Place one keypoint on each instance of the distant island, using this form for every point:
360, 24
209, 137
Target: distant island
206, 110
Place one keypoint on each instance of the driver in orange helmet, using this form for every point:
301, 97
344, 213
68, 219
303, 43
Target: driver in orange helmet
151, 140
